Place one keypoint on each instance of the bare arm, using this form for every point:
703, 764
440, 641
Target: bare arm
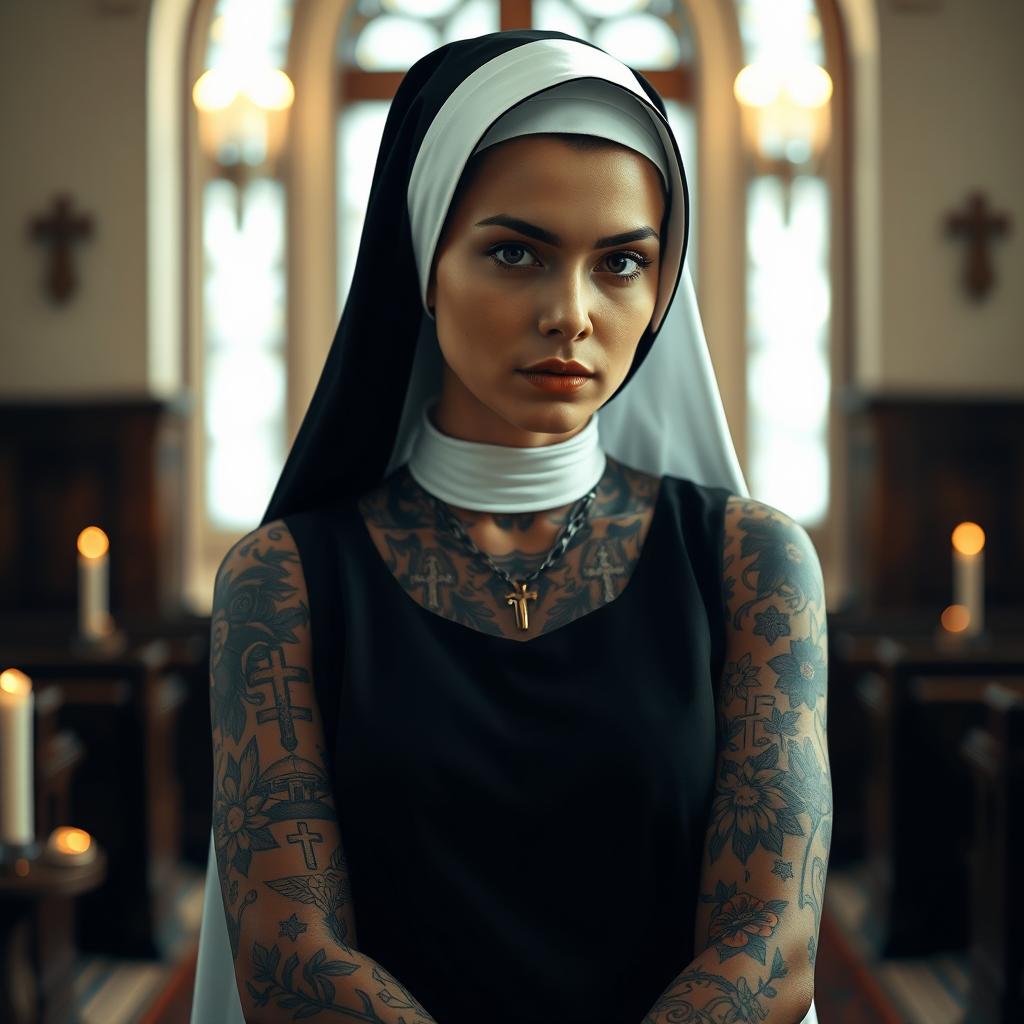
766, 848
284, 878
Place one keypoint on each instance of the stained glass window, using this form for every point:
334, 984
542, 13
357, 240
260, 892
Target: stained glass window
243, 381
391, 35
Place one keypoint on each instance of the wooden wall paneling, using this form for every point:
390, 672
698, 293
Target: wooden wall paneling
115, 463
918, 466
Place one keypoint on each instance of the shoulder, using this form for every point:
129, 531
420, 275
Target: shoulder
262, 566
767, 555
249, 548
757, 527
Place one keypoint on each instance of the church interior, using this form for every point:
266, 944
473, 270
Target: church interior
181, 199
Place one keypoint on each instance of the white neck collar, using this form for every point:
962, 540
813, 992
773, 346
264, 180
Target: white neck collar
503, 478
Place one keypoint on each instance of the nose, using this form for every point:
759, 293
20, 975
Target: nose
565, 307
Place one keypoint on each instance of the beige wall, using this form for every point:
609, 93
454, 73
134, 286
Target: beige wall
73, 117
952, 79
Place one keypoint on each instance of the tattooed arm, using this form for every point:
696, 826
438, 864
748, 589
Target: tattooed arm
766, 848
284, 879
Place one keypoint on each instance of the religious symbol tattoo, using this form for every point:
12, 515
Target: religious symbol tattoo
278, 676
247, 624
432, 575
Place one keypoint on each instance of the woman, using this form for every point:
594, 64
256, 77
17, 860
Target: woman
512, 722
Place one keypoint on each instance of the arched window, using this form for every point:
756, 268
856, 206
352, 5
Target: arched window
243, 359
788, 265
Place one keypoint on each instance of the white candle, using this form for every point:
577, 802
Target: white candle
93, 611
969, 574
17, 777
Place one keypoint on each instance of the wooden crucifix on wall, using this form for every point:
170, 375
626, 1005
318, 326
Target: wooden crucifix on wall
59, 229
979, 225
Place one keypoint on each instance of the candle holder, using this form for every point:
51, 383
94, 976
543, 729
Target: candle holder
11, 853
961, 642
108, 644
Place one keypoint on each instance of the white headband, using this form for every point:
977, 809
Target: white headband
584, 106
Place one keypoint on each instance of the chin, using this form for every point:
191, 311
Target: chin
551, 416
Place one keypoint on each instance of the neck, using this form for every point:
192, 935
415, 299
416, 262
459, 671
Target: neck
502, 478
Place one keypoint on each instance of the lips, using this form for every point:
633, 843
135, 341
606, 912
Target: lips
559, 367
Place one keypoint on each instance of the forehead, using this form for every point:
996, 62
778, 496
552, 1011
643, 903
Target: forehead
538, 172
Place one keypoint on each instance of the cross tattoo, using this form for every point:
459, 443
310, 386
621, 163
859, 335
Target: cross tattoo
59, 229
979, 226
606, 570
279, 675
752, 717
519, 597
307, 839
431, 579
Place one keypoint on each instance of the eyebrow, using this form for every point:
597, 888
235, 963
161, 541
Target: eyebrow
543, 235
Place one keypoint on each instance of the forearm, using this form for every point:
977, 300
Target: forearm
712, 990
321, 980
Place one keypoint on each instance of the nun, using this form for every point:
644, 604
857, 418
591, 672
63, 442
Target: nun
518, 698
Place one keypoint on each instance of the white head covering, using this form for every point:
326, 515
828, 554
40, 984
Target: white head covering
669, 418
585, 106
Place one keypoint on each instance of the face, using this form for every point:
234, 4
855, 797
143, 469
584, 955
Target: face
550, 252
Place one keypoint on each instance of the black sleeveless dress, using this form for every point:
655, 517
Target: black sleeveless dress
524, 820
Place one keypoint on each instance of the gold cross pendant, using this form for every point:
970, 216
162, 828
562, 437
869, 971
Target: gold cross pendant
519, 597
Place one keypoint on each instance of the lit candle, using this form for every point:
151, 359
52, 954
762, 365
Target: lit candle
969, 575
17, 827
68, 845
93, 615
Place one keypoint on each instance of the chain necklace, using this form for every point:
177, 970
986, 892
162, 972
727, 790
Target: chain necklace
520, 595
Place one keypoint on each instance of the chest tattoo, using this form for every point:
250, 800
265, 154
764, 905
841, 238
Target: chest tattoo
440, 574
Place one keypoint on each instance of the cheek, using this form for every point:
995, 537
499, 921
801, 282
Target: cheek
474, 302
628, 316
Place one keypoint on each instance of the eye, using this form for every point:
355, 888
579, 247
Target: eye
616, 260
517, 252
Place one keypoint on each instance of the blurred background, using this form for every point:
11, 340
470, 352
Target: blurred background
182, 189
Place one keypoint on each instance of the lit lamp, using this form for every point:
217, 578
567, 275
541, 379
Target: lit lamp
243, 121
17, 775
785, 115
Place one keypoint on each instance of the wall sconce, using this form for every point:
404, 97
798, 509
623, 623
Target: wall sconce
243, 122
786, 116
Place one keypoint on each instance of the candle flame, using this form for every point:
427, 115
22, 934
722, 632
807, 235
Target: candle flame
67, 839
968, 538
956, 618
14, 681
92, 542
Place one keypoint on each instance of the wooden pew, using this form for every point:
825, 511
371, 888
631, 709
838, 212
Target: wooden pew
855, 639
920, 702
995, 756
